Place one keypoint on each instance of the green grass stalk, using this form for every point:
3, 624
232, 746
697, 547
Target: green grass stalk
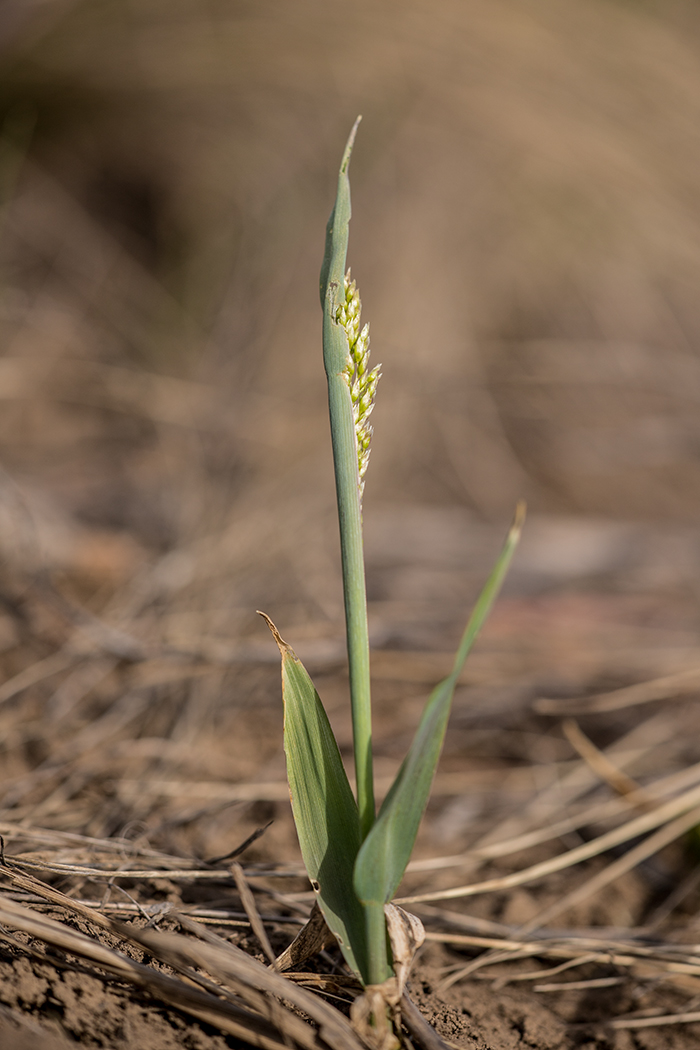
382, 844
378, 968
347, 481
351, 549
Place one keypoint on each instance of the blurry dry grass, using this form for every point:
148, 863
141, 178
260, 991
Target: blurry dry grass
526, 235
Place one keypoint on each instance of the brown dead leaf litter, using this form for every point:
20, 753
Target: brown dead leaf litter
557, 870
526, 232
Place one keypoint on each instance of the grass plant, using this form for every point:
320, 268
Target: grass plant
355, 857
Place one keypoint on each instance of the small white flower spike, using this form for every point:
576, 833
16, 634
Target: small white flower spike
361, 381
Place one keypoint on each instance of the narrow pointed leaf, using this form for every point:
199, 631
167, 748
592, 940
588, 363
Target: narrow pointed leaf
384, 854
324, 807
337, 232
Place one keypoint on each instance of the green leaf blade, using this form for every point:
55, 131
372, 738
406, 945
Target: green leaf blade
385, 853
324, 807
333, 266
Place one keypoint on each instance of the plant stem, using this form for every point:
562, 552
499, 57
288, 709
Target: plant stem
378, 964
351, 549
347, 481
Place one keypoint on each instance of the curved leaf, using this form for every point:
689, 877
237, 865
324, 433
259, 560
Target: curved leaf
324, 807
384, 854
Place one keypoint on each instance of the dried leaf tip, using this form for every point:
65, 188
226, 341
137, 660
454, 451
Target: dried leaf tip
361, 381
349, 145
518, 521
284, 648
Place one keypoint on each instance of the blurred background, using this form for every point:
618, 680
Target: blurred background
526, 239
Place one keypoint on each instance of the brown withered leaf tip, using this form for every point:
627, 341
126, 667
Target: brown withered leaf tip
284, 648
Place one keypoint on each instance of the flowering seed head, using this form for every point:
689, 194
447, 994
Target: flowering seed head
361, 382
